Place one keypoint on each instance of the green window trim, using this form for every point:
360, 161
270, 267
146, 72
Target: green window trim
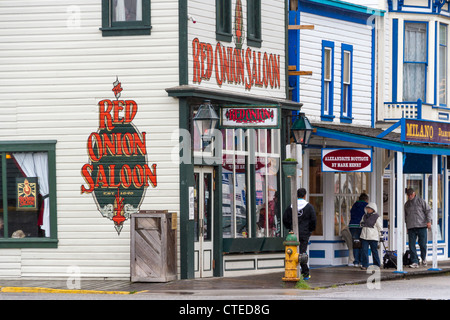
223, 21
125, 28
48, 146
254, 38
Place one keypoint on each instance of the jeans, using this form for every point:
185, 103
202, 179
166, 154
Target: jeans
302, 248
373, 244
356, 233
413, 234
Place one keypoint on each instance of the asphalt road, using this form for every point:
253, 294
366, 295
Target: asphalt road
423, 288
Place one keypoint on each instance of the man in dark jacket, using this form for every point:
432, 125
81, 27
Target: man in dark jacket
306, 225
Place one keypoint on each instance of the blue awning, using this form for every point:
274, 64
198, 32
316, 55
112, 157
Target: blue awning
368, 136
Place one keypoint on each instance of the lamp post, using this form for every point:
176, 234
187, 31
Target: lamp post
301, 130
205, 120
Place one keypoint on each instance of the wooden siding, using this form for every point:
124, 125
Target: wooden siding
339, 32
53, 72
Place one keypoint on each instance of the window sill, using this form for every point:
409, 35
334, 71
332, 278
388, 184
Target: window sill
327, 117
126, 31
29, 243
346, 119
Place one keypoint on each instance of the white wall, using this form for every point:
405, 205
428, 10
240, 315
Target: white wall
55, 67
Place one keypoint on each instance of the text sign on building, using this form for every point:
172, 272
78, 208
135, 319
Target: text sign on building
425, 131
118, 172
347, 160
250, 117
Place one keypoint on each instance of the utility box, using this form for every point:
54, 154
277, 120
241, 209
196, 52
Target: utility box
153, 246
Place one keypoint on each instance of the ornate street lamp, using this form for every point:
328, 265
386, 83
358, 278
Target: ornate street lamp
206, 120
302, 130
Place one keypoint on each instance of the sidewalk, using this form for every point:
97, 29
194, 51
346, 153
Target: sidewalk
323, 277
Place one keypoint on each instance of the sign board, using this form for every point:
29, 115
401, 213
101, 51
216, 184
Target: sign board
346, 160
425, 131
260, 117
27, 196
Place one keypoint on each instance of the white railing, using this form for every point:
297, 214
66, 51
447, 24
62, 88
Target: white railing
394, 111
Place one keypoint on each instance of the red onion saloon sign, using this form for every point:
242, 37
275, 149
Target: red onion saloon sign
118, 173
353, 160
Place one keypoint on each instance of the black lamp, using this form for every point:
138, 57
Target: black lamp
206, 120
302, 130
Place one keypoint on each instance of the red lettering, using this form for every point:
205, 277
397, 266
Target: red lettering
105, 114
196, 60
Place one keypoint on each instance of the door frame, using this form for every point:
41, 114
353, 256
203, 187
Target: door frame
204, 250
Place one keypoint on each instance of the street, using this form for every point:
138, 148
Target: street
420, 288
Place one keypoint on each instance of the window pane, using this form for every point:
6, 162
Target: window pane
413, 82
327, 64
346, 67
317, 202
415, 42
443, 64
315, 175
126, 10
27, 181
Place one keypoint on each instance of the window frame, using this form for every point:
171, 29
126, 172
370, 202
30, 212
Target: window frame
346, 117
327, 110
126, 28
425, 63
224, 30
254, 35
32, 146
445, 76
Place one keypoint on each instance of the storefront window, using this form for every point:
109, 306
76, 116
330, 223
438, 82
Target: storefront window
316, 191
237, 191
348, 186
24, 195
439, 204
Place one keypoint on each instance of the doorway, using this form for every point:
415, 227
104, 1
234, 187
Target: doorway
203, 221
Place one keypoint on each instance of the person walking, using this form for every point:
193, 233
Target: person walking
354, 226
372, 226
306, 216
418, 217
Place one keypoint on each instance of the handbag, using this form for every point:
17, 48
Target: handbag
357, 244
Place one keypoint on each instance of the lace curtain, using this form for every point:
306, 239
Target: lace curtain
127, 10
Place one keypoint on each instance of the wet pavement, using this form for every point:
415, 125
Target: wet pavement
323, 277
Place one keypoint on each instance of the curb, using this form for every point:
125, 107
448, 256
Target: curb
66, 291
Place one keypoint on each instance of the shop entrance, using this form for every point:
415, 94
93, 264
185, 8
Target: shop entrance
203, 221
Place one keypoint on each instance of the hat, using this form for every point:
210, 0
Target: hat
371, 205
409, 191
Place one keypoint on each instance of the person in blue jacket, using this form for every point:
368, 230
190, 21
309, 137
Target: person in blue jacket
356, 214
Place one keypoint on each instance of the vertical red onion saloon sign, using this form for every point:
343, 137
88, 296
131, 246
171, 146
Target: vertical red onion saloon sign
118, 173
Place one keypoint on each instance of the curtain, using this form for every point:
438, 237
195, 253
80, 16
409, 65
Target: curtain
36, 165
127, 10
415, 59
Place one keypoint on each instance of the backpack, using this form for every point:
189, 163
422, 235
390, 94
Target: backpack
407, 258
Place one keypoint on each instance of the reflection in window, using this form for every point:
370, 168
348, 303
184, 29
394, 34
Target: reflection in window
239, 220
316, 191
348, 186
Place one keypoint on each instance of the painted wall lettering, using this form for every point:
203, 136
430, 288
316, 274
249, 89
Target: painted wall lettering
118, 173
247, 68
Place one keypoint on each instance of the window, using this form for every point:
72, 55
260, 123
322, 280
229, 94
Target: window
346, 83
316, 197
254, 23
251, 182
27, 195
443, 52
327, 80
348, 186
415, 61
223, 20
125, 17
